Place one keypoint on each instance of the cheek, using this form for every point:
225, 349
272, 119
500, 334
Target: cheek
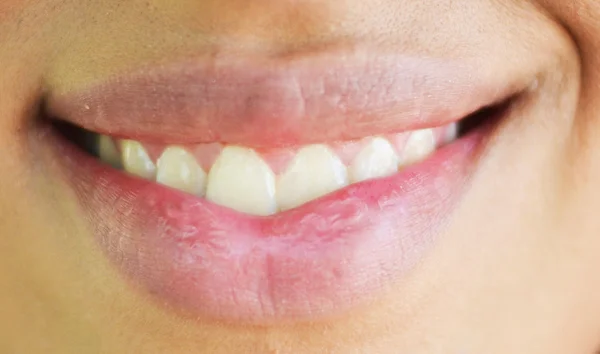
8, 7
23, 11
11, 9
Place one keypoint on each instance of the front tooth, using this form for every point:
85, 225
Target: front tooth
376, 159
241, 180
108, 152
136, 160
420, 144
314, 172
178, 169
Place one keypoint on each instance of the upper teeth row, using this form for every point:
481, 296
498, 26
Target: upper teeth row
241, 179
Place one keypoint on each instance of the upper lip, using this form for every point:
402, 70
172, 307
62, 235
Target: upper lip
281, 101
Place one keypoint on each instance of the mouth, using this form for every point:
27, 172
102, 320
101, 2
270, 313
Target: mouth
261, 182
283, 190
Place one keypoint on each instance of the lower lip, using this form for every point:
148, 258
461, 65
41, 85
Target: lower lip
320, 260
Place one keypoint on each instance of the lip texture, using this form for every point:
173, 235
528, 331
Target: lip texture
281, 101
319, 260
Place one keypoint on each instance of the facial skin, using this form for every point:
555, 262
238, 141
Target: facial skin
515, 270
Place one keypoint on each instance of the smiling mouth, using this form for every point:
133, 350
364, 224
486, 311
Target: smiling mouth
263, 182
275, 191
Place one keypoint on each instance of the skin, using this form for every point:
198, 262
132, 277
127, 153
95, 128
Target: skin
515, 272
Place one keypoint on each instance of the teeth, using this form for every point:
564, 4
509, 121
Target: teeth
420, 144
136, 160
451, 133
241, 180
376, 159
178, 169
108, 152
314, 172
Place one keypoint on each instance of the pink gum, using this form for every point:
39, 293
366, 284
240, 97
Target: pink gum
278, 159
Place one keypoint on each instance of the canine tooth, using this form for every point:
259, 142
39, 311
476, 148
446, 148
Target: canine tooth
178, 169
136, 160
419, 145
376, 159
451, 133
314, 172
241, 180
108, 152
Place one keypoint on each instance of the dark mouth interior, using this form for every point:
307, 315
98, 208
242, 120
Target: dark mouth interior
83, 138
488, 115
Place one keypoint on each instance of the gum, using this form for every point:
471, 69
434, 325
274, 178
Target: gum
278, 159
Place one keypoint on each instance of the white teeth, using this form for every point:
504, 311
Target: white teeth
420, 144
108, 152
136, 160
314, 172
451, 133
376, 159
178, 169
241, 180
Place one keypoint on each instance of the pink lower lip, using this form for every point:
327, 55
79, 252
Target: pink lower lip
317, 261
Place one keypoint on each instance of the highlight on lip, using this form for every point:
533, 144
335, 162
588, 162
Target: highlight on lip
268, 181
